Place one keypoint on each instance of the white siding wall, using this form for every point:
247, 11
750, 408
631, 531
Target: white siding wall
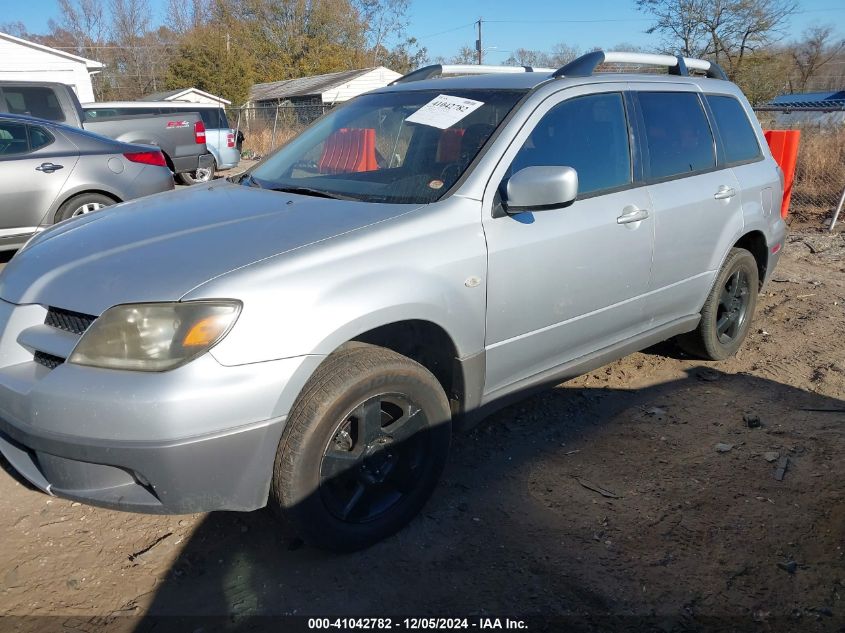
376, 78
19, 62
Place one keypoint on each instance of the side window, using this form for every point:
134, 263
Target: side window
210, 117
589, 134
13, 138
34, 101
677, 134
39, 137
736, 132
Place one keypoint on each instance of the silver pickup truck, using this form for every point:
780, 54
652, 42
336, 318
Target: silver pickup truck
180, 136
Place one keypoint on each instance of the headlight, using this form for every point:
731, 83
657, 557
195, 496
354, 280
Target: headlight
154, 336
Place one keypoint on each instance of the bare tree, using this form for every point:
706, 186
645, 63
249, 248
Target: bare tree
185, 15
810, 55
724, 30
17, 29
85, 22
385, 24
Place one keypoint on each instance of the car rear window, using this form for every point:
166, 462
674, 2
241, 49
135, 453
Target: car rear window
737, 135
678, 136
33, 101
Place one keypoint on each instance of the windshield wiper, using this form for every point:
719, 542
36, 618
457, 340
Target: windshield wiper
245, 179
307, 191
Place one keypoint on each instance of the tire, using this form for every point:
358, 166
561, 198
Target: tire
82, 204
199, 176
342, 483
727, 313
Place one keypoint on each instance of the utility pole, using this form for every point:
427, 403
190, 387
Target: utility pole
478, 48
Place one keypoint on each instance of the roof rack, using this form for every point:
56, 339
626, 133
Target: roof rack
444, 70
585, 65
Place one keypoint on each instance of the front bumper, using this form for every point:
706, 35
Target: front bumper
197, 438
229, 471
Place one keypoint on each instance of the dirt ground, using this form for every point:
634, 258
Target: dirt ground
644, 490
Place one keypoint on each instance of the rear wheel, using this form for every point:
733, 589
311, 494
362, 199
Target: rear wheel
82, 204
363, 448
199, 176
727, 313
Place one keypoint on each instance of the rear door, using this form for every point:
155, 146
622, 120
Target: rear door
695, 199
740, 148
34, 166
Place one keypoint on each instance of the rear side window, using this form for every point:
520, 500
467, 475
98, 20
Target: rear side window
589, 134
33, 101
212, 118
39, 137
13, 138
677, 133
737, 135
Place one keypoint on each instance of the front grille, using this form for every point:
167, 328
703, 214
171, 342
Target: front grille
69, 321
48, 360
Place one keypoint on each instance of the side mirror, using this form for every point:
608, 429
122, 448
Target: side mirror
541, 188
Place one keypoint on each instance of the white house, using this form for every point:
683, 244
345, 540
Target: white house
22, 60
322, 89
191, 95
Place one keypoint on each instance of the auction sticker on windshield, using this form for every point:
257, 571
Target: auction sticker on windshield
444, 111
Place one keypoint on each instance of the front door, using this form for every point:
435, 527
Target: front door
564, 283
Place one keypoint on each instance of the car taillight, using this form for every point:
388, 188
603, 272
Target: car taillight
147, 158
230, 139
199, 132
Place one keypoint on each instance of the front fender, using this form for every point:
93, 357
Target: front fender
430, 268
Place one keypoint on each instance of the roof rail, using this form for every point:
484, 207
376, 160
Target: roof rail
443, 70
677, 65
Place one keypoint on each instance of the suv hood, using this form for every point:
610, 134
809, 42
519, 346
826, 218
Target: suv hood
159, 248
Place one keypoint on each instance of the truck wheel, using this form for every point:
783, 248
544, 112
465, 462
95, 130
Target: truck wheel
727, 313
82, 204
363, 448
198, 176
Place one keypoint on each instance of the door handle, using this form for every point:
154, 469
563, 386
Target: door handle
725, 193
632, 214
48, 168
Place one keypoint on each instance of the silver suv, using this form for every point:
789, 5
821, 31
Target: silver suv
304, 336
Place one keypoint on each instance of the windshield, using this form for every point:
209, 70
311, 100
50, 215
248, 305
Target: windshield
402, 147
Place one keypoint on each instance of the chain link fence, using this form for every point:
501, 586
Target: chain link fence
819, 179
267, 127
819, 185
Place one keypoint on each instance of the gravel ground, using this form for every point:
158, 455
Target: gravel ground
647, 488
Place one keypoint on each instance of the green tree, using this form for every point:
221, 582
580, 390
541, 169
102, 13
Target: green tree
207, 59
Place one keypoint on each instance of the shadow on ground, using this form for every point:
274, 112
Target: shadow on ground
518, 527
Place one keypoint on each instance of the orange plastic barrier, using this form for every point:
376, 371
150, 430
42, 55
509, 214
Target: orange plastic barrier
449, 145
349, 150
784, 146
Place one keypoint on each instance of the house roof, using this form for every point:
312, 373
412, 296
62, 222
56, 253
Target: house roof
811, 100
304, 86
90, 64
173, 95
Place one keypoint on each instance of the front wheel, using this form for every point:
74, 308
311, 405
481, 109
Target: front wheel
727, 313
363, 448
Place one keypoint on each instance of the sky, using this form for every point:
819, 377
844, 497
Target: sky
443, 26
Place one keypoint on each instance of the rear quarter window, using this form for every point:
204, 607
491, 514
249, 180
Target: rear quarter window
735, 130
678, 136
33, 101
